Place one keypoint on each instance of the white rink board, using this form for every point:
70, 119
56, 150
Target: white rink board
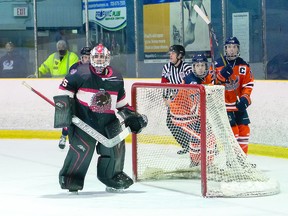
22, 109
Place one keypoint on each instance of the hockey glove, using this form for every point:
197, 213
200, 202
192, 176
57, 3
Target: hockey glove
225, 73
242, 104
134, 120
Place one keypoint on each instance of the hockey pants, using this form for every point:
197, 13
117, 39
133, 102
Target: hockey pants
178, 133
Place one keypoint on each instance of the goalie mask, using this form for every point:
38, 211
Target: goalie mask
232, 48
200, 66
100, 58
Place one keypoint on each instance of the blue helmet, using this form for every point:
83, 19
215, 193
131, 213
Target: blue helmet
232, 40
200, 58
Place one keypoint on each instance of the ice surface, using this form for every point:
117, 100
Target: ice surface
29, 179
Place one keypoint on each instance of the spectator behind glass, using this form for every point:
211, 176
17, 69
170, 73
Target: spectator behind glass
12, 64
58, 63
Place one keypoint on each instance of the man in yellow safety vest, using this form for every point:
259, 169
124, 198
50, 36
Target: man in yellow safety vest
58, 63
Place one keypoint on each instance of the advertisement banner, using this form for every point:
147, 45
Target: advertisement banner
109, 14
158, 1
156, 32
163, 27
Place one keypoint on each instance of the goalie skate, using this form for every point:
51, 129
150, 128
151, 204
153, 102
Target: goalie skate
73, 192
114, 190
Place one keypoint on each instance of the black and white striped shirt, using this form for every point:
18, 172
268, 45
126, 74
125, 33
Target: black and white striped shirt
174, 75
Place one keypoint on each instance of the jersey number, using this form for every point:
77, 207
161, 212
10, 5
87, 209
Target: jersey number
64, 83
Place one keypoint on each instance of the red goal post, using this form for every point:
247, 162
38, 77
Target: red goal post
188, 136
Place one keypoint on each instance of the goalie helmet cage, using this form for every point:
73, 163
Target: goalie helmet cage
198, 120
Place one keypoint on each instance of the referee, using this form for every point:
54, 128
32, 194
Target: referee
173, 73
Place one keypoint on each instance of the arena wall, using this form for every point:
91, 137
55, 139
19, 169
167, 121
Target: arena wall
26, 115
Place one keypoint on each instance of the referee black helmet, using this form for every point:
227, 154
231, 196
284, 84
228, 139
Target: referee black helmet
178, 49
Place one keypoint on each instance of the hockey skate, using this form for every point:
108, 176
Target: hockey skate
114, 190
74, 192
72, 188
194, 164
122, 181
62, 142
184, 150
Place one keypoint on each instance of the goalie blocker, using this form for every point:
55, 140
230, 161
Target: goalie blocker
63, 111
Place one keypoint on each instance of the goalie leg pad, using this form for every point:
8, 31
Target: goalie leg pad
111, 161
63, 111
72, 184
107, 174
110, 164
77, 161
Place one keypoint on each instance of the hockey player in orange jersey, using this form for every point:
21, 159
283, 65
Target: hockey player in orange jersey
185, 110
235, 74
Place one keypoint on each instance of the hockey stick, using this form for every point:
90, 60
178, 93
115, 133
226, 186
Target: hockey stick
212, 36
109, 143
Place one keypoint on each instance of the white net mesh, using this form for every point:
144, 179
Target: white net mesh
169, 147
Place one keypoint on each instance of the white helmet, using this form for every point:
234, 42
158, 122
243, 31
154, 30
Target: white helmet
100, 58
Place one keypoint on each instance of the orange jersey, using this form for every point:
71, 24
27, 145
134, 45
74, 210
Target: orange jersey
185, 107
240, 83
209, 78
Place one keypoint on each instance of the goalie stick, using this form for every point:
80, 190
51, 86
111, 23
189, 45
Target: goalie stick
212, 36
109, 143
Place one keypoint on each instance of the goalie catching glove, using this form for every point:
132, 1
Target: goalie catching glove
134, 120
63, 111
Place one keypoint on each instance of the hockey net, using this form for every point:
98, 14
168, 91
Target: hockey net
196, 142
